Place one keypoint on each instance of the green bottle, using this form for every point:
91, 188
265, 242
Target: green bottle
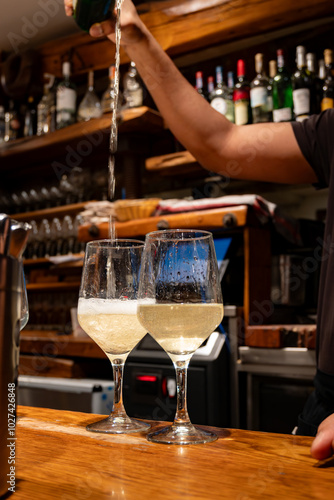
88, 12
282, 92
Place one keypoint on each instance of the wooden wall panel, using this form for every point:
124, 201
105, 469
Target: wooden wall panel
180, 28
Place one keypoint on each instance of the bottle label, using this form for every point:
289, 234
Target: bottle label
259, 97
241, 112
229, 110
240, 95
270, 103
66, 99
327, 103
219, 104
282, 115
301, 101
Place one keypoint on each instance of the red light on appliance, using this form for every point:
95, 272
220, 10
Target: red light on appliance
147, 378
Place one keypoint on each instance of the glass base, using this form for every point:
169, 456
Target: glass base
182, 434
118, 425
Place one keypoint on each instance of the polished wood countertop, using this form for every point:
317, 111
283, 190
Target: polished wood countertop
58, 459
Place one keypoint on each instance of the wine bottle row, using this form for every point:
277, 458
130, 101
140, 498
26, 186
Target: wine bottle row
58, 107
281, 96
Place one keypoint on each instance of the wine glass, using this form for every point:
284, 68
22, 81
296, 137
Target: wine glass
180, 304
107, 312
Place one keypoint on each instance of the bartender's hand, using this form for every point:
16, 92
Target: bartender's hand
323, 444
132, 26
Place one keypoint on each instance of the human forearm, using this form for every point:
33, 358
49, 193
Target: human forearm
247, 152
191, 119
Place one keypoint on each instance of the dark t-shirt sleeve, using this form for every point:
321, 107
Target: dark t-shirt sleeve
315, 137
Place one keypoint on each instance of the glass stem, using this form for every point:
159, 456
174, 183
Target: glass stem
181, 415
118, 407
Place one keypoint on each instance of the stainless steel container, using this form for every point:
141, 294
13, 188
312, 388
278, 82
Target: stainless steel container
10, 324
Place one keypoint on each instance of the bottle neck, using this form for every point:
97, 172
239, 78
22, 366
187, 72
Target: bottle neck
280, 62
199, 81
259, 64
241, 69
301, 63
219, 76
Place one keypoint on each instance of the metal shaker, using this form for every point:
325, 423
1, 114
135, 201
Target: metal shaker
13, 237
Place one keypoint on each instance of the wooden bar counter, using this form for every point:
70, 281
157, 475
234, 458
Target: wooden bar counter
58, 459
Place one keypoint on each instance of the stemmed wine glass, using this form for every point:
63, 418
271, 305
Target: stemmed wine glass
107, 311
180, 304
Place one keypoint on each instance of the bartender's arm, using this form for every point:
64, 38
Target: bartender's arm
266, 152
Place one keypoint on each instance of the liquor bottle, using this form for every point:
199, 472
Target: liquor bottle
2, 121
108, 97
259, 93
30, 118
133, 90
210, 85
272, 73
282, 92
229, 97
46, 108
66, 99
199, 84
328, 88
12, 122
216, 97
241, 96
317, 83
301, 86
321, 70
90, 106
88, 12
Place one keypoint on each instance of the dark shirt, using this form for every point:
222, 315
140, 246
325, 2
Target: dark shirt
315, 137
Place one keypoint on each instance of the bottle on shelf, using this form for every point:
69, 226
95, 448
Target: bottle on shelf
199, 84
327, 101
282, 92
229, 96
12, 122
216, 97
302, 91
132, 88
2, 122
317, 83
46, 108
241, 96
66, 99
30, 118
321, 70
210, 85
90, 106
272, 73
259, 93
108, 97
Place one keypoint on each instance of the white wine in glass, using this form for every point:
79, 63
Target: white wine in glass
180, 304
107, 312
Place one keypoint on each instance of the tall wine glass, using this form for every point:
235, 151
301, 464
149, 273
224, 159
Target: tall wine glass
107, 311
180, 304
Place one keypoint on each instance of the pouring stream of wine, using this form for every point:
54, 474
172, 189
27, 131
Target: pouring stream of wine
114, 127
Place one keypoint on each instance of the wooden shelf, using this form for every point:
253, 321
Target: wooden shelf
183, 27
53, 287
179, 163
50, 213
46, 261
218, 218
37, 342
142, 119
